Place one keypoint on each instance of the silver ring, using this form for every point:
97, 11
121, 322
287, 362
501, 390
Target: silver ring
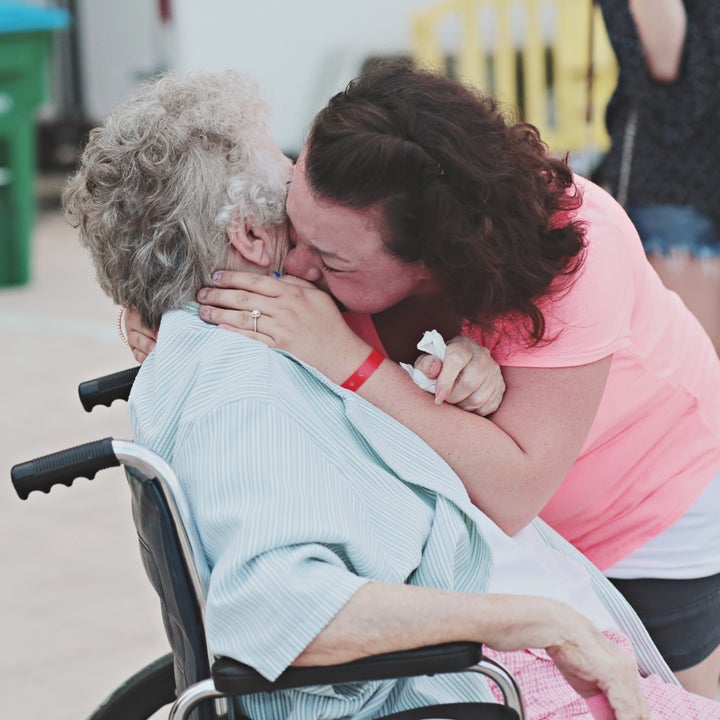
255, 314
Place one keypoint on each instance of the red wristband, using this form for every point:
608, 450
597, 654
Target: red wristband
366, 369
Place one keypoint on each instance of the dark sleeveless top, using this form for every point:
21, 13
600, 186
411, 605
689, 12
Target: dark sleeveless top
676, 158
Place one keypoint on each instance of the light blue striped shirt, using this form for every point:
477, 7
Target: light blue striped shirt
301, 492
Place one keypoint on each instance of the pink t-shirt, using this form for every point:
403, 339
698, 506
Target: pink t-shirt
655, 442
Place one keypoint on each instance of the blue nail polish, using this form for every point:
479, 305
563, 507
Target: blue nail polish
277, 275
216, 277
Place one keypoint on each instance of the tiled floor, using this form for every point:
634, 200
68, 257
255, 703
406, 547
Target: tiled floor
78, 615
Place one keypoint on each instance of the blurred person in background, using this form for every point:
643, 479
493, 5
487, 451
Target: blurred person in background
664, 162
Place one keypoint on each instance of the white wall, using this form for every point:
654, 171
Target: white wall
119, 47
301, 52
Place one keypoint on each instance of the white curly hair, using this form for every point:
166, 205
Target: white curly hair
161, 180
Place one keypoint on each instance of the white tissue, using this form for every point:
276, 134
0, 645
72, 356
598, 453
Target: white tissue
432, 343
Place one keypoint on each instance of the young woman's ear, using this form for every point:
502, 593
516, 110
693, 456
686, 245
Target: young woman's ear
249, 244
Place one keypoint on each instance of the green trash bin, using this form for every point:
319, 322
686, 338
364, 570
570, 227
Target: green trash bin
25, 45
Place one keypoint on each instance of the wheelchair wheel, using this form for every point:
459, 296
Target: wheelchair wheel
141, 695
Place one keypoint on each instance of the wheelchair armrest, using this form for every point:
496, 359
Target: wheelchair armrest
103, 390
235, 678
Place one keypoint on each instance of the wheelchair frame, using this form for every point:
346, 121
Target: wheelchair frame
221, 679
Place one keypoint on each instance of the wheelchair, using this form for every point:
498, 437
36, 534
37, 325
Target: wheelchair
197, 685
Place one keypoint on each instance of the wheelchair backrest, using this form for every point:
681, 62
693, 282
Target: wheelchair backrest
167, 568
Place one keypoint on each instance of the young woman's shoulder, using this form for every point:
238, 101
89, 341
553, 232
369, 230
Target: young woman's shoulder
587, 316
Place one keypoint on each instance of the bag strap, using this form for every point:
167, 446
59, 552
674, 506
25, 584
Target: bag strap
590, 76
628, 147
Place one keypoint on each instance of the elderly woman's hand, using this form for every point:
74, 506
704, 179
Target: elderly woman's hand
598, 667
140, 339
468, 376
601, 672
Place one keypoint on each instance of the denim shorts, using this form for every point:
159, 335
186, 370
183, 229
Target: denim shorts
682, 616
668, 229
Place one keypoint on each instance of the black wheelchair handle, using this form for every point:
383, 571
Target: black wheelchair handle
103, 390
61, 468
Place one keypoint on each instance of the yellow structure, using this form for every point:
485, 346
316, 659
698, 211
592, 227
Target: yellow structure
543, 58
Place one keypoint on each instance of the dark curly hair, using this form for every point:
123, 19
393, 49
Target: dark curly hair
477, 199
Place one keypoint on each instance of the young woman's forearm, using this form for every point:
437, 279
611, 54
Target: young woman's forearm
512, 464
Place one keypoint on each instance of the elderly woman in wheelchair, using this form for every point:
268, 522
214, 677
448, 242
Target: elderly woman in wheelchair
331, 533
